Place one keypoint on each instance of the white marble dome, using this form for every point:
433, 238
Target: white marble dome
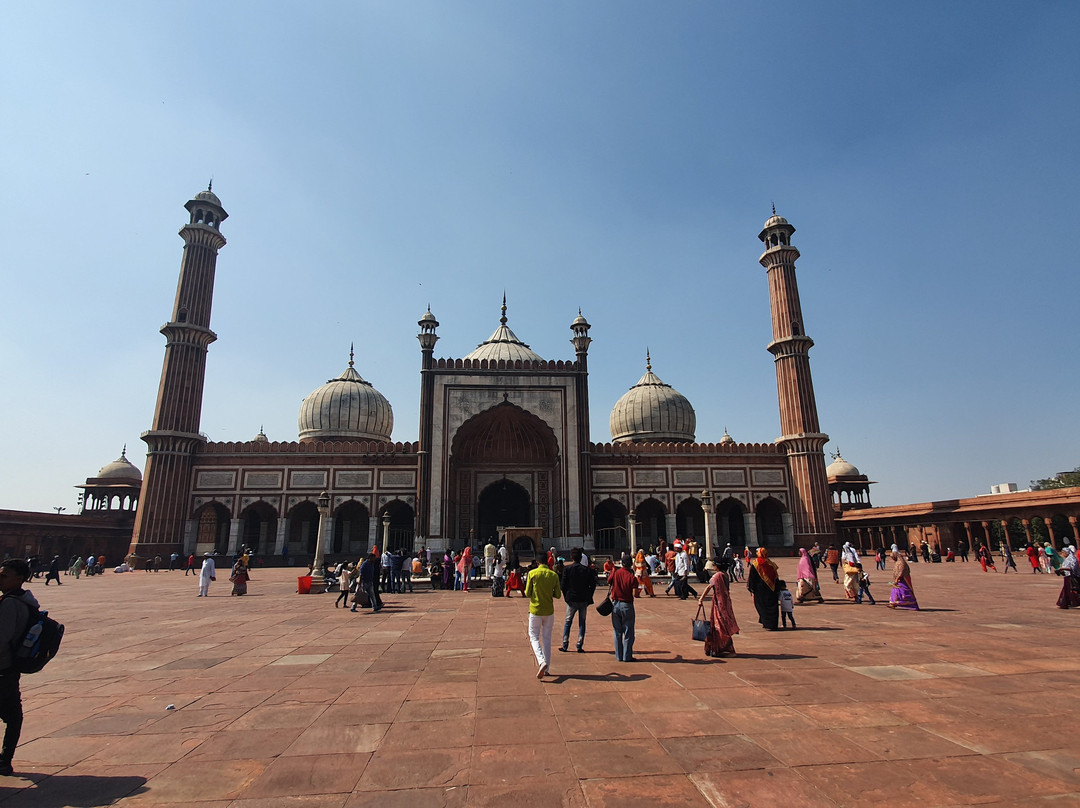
654, 412
346, 408
505, 345
841, 468
120, 469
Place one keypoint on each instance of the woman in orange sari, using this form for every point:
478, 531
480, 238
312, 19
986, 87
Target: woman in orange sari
641, 572
722, 625
761, 581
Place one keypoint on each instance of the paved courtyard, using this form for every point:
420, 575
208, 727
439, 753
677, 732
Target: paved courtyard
282, 700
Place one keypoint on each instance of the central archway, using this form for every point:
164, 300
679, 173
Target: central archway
502, 504
504, 470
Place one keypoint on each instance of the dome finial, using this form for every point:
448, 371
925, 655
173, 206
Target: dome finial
773, 208
123, 452
648, 359
350, 354
503, 318
210, 185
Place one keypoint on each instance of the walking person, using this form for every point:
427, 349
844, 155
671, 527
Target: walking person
542, 587
761, 583
1070, 588
345, 584
962, 550
832, 558
54, 572
366, 580
190, 568
903, 595
984, 557
1007, 558
787, 604
622, 585
806, 584
206, 575
578, 587
14, 619
641, 571
864, 587
722, 624
240, 577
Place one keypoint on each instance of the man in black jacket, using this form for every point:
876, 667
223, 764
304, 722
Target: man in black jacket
578, 585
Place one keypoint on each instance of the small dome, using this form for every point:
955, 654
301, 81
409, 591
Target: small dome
579, 320
727, 439
346, 408
652, 411
261, 437
428, 318
773, 221
841, 468
208, 196
504, 344
120, 469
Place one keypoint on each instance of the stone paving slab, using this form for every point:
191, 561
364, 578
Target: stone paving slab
282, 700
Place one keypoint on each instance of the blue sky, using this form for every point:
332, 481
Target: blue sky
618, 156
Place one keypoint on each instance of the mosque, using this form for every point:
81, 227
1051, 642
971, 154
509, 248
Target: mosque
505, 447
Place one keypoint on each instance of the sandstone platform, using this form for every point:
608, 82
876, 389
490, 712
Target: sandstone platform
283, 700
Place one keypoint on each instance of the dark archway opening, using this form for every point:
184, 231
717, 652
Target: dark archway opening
610, 526
259, 527
690, 519
730, 522
304, 527
402, 525
770, 523
213, 526
502, 504
351, 526
651, 518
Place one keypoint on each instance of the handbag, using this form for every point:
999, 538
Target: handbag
605, 607
700, 628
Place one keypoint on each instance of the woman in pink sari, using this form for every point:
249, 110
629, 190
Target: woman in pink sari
903, 596
807, 587
722, 625
464, 568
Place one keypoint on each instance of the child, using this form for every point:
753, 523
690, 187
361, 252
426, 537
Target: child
787, 604
864, 587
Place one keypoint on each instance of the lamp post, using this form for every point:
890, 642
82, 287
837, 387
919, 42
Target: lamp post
706, 505
61, 508
318, 580
633, 533
386, 531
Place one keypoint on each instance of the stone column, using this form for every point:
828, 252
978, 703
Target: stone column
672, 527
751, 529
632, 530
1005, 530
282, 535
1027, 529
234, 535
1076, 532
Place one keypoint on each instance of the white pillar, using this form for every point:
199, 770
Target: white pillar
750, 523
282, 534
632, 526
710, 532
672, 527
234, 536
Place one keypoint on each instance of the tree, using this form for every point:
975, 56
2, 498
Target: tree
1066, 479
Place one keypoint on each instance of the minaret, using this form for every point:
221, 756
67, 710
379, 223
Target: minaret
801, 436
174, 437
428, 338
581, 341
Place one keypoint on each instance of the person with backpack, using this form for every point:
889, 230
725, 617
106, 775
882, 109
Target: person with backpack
14, 620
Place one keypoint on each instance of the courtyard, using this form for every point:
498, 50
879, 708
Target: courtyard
274, 699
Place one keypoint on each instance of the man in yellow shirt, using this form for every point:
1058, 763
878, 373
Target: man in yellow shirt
541, 588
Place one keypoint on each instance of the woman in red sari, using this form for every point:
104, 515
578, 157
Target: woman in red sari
722, 625
641, 572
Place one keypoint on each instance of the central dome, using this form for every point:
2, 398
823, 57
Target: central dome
346, 408
504, 344
652, 412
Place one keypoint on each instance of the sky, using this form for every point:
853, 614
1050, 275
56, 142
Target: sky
376, 158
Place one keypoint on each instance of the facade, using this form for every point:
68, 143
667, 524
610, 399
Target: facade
504, 442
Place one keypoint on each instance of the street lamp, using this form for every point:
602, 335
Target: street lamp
318, 579
706, 505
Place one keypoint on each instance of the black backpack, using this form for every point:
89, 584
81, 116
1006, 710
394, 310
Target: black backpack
33, 650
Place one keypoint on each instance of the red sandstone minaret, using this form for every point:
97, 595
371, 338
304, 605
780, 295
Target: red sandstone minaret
802, 438
174, 437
